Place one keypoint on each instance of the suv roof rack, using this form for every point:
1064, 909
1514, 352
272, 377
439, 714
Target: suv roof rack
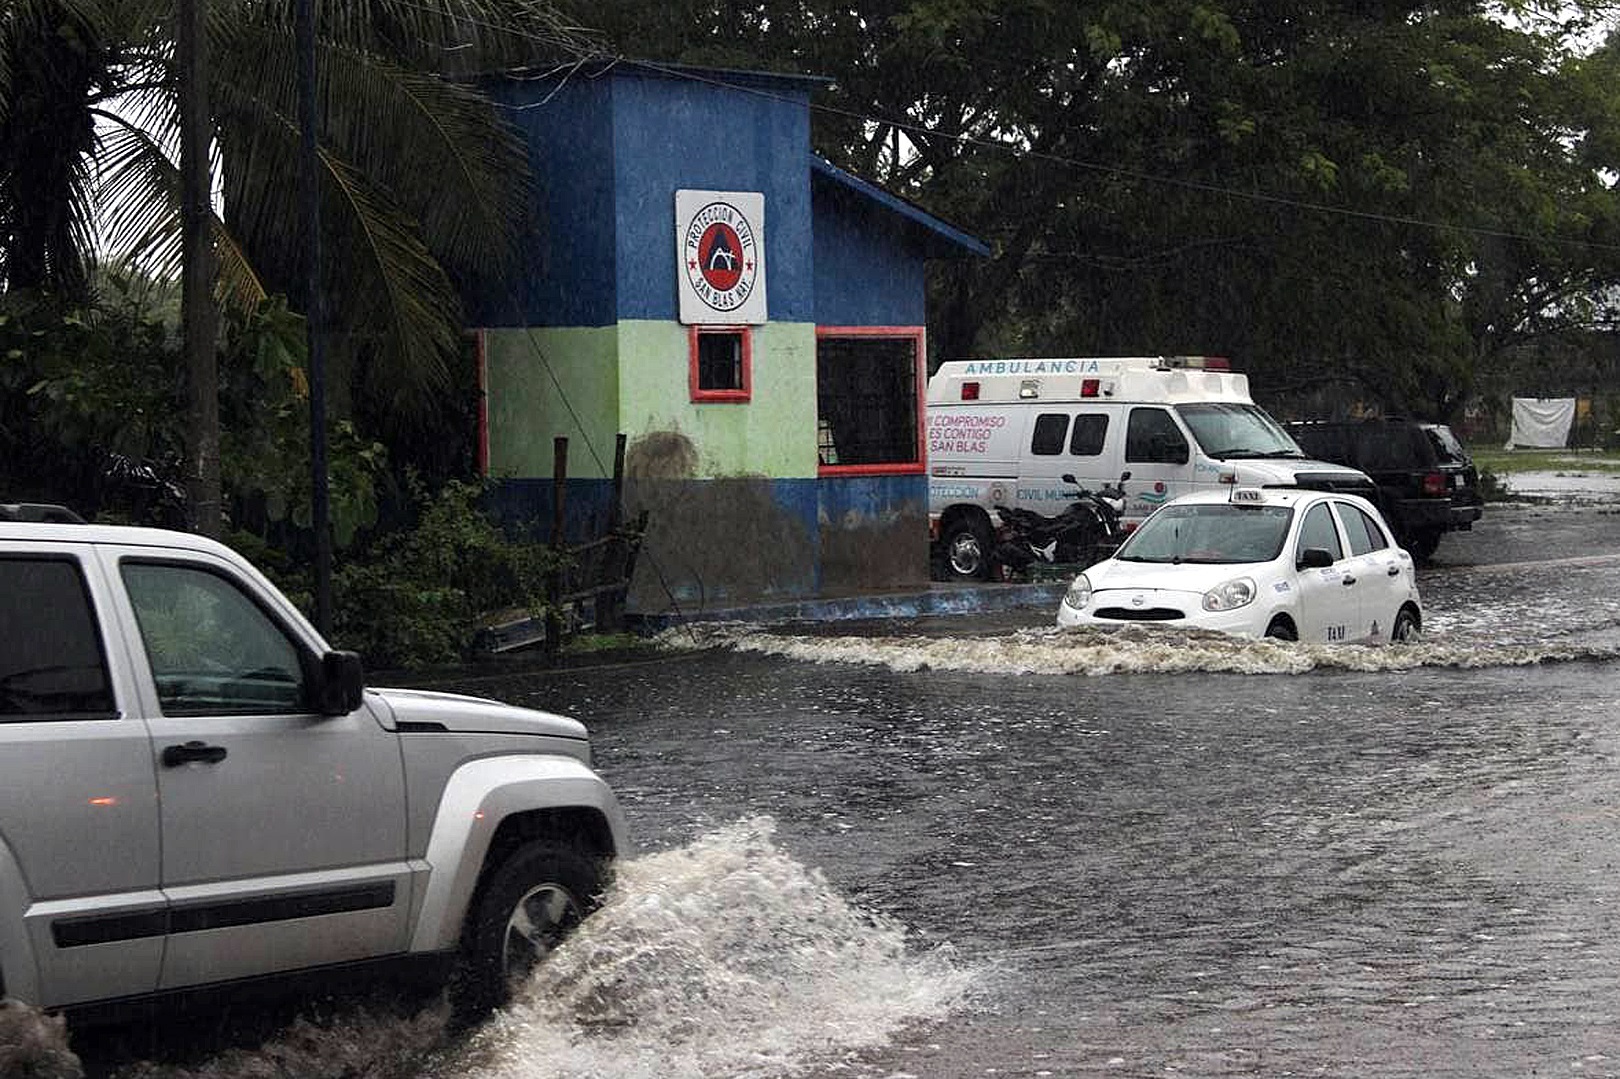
42, 512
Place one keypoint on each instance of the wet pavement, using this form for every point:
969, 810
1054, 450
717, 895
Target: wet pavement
975, 846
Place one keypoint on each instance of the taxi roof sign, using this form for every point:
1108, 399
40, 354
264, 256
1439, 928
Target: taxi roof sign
1248, 496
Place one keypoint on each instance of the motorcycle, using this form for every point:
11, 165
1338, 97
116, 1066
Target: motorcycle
1087, 531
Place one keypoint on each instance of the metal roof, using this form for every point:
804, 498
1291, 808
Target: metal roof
820, 166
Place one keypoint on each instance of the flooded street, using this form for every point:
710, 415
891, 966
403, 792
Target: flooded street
982, 847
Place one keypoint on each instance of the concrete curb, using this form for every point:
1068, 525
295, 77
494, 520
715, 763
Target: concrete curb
939, 599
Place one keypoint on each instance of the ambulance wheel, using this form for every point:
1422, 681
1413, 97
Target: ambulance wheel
967, 549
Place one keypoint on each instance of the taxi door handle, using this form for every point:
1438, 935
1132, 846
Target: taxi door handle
1394, 571
1348, 580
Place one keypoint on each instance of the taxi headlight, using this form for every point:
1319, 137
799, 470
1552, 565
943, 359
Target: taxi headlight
1230, 596
1078, 595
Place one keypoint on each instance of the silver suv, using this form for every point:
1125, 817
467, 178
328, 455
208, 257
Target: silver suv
195, 789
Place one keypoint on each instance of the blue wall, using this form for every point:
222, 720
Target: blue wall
675, 133
609, 152
567, 273
869, 270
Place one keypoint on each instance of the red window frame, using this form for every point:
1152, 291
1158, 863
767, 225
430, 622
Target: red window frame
739, 396
919, 347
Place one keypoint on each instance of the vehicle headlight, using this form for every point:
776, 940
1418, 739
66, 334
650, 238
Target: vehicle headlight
1079, 594
1230, 595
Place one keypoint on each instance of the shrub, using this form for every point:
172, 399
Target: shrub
416, 598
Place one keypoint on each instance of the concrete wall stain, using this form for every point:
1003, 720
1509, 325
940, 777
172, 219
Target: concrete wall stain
660, 455
718, 543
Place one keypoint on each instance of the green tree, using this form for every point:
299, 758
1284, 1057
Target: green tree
422, 182
1388, 197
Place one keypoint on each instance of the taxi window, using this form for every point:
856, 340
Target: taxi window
1364, 533
1317, 530
1051, 429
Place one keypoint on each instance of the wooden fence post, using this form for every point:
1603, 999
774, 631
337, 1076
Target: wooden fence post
559, 546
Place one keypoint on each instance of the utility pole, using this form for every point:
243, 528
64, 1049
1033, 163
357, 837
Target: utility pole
309, 177
198, 316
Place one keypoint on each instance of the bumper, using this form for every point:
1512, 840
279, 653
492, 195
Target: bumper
1414, 514
1181, 610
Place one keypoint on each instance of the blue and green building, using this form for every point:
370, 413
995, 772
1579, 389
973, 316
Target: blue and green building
750, 316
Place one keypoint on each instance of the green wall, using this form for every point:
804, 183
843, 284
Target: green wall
526, 411
633, 378
772, 435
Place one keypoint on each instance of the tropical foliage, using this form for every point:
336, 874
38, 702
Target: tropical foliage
421, 180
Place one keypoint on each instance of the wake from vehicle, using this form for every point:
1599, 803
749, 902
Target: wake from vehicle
724, 957
1136, 650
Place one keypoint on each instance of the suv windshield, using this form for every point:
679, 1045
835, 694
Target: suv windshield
1209, 532
1226, 429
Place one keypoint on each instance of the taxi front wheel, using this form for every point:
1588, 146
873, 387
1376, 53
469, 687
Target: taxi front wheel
1281, 630
1406, 626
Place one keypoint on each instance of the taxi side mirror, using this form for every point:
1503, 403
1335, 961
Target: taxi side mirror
1315, 558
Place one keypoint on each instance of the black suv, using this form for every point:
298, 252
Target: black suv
1427, 483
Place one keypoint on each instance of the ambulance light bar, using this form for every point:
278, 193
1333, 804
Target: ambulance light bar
1195, 363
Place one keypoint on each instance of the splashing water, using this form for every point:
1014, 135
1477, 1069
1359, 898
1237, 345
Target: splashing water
1136, 650
722, 958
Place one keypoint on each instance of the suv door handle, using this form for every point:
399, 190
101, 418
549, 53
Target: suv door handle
1347, 580
1394, 571
175, 756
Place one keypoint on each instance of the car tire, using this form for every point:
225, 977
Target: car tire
1406, 627
525, 908
967, 549
1281, 630
1422, 544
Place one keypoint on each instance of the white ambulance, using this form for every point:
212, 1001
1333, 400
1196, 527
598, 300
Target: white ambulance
1004, 432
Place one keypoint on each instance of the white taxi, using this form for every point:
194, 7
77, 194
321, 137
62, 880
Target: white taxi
1260, 562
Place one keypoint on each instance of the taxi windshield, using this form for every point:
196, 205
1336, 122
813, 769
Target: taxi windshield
1227, 429
1209, 532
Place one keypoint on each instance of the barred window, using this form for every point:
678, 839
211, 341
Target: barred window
867, 397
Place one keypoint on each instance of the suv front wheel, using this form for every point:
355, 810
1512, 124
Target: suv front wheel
528, 906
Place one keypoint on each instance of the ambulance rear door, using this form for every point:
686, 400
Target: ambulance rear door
1080, 439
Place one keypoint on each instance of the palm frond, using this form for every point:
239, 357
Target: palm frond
139, 197
437, 148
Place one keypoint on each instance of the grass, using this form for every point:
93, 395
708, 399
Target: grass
1503, 462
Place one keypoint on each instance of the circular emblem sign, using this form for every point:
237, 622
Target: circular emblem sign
721, 262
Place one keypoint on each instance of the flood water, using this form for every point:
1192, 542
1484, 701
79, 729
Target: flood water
983, 847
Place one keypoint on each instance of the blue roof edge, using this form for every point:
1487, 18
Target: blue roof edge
913, 213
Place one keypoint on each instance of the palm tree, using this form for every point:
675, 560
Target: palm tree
422, 182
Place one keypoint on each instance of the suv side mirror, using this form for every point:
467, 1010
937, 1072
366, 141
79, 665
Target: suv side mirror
342, 683
1315, 558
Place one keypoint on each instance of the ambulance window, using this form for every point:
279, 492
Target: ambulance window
1088, 435
1051, 430
1152, 437
1317, 531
